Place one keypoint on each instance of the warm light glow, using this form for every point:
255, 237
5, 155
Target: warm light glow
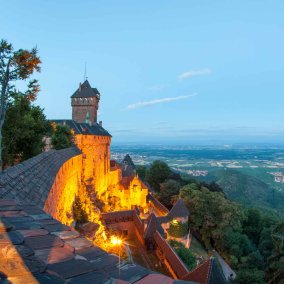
175, 222
115, 241
104, 235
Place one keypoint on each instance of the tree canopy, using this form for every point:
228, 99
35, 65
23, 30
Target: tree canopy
158, 172
62, 136
23, 130
14, 66
242, 235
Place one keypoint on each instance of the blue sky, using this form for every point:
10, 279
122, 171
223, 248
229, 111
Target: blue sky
168, 71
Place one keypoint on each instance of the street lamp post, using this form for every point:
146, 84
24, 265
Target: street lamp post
115, 241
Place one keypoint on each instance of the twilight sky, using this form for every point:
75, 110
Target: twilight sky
168, 71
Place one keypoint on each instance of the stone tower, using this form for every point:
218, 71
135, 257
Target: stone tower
85, 103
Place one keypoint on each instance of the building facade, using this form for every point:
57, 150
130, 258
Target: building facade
118, 186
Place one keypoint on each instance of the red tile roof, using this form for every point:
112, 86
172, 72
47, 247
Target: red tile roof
200, 273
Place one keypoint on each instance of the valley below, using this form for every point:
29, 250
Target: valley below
253, 175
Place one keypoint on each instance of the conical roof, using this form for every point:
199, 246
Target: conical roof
128, 167
178, 210
152, 226
207, 272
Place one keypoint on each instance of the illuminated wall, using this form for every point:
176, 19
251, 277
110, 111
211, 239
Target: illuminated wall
106, 181
64, 189
92, 168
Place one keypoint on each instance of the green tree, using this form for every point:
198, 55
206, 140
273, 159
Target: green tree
79, 215
141, 171
62, 137
178, 229
211, 214
168, 190
249, 276
252, 226
14, 66
23, 131
158, 172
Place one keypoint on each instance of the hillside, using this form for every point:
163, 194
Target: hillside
245, 188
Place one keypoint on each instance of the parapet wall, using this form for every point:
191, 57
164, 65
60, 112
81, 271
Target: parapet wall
65, 187
49, 180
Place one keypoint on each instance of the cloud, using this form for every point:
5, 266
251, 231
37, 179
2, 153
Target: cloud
157, 101
192, 73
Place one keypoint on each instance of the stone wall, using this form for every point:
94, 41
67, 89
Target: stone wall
30, 182
65, 187
96, 159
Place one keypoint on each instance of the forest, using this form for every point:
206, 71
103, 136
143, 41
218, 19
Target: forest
250, 239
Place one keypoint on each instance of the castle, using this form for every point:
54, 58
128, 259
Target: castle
107, 178
37, 200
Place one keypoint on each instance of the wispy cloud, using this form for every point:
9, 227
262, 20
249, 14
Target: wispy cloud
198, 72
157, 101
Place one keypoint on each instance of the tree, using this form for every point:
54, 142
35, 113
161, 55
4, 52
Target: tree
158, 172
141, 171
249, 276
211, 214
23, 130
62, 137
168, 190
14, 66
178, 229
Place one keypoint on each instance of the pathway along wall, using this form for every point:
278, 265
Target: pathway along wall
49, 180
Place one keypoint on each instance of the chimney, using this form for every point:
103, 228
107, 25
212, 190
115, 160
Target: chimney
80, 87
100, 123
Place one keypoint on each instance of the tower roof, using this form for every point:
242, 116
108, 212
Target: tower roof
128, 167
152, 226
207, 272
83, 128
179, 210
86, 91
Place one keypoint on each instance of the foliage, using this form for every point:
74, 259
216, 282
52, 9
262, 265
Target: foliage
275, 267
178, 229
187, 257
141, 171
14, 66
79, 215
168, 190
247, 189
241, 235
212, 186
249, 276
211, 214
23, 131
158, 172
62, 137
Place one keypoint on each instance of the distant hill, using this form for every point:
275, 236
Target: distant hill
245, 188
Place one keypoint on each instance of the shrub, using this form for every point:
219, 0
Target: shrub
178, 229
186, 256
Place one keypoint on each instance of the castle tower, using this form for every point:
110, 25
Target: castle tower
85, 102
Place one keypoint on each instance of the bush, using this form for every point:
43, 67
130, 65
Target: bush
186, 256
178, 229
79, 215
